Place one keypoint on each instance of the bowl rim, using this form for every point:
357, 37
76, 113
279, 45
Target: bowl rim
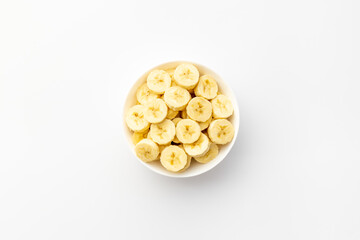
170, 174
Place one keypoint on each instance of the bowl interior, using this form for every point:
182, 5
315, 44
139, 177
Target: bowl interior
195, 168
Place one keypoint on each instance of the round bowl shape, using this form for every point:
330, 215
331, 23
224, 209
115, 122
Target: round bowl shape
195, 167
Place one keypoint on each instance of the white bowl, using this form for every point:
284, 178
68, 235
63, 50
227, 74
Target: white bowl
195, 167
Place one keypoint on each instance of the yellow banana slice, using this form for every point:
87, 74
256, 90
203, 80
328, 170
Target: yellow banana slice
205, 125
206, 88
222, 107
186, 75
147, 150
199, 109
161, 148
221, 131
173, 158
210, 155
135, 119
138, 136
187, 131
156, 111
188, 160
162, 133
158, 81
145, 95
198, 148
176, 98
184, 114
175, 121
171, 73
171, 114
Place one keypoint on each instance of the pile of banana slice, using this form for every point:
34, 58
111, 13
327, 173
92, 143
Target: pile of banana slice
180, 115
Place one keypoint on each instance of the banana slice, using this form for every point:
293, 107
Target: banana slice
186, 75
191, 91
158, 81
175, 121
161, 148
222, 107
156, 111
173, 83
147, 150
205, 125
199, 109
187, 164
162, 133
187, 131
145, 95
206, 88
135, 119
171, 114
171, 73
184, 114
149, 137
221, 131
198, 148
188, 161
210, 155
173, 158
176, 98
138, 136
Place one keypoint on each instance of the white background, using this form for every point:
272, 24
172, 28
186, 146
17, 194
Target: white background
66, 171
